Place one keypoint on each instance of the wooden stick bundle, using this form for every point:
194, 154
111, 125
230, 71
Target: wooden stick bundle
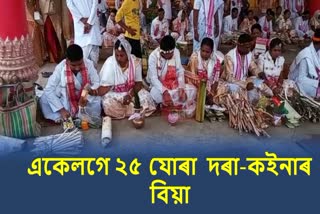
242, 116
307, 107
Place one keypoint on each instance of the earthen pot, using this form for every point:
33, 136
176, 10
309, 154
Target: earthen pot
138, 123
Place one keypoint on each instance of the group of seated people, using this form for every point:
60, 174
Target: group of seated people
273, 24
115, 85
112, 29
179, 28
279, 23
121, 77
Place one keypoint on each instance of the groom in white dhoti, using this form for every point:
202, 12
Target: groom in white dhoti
86, 27
61, 96
166, 76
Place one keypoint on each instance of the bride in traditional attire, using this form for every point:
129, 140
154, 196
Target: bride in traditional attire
121, 77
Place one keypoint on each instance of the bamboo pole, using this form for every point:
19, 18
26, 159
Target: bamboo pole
201, 101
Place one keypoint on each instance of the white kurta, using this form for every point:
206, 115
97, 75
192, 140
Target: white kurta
181, 28
286, 4
111, 33
166, 5
191, 22
157, 70
198, 5
266, 26
55, 96
285, 24
304, 71
159, 28
236, 4
297, 7
302, 28
219, 9
85, 9
204, 19
102, 6
230, 25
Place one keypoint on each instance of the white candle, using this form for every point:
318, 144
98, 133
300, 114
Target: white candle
106, 133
